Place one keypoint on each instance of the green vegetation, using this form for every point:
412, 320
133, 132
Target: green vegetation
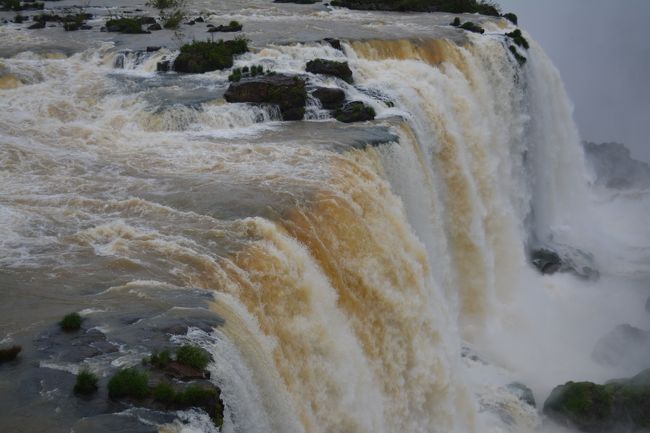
125, 25
233, 26
86, 382
245, 72
173, 20
10, 353
510, 17
592, 407
518, 38
16, 5
129, 383
193, 356
71, 322
472, 27
164, 393
160, 359
198, 57
521, 60
452, 6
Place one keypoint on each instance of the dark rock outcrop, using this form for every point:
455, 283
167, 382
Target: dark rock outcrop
335, 43
625, 346
355, 111
619, 406
300, 2
154, 27
9, 353
125, 25
456, 7
562, 258
285, 91
330, 67
330, 98
233, 26
472, 27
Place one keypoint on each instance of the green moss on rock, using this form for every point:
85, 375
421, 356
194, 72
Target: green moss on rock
71, 322
199, 57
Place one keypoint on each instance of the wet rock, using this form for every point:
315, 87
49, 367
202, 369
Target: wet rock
335, 43
199, 20
154, 27
355, 111
233, 26
152, 49
522, 392
330, 67
66, 347
9, 353
472, 27
164, 66
330, 98
562, 258
285, 91
467, 6
618, 406
470, 354
625, 346
300, 2
546, 261
37, 25
125, 25
185, 372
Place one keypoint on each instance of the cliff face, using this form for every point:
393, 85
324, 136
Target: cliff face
613, 166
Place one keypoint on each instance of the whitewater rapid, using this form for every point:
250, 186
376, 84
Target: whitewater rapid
352, 281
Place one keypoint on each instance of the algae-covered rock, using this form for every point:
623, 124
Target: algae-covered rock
330, 67
619, 406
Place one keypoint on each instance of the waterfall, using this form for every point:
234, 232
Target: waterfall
382, 289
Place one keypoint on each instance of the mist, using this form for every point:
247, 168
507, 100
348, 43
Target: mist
601, 49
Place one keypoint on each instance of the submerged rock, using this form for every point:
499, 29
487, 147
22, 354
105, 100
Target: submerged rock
285, 91
355, 111
618, 406
522, 392
335, 43
624, 346
9, 353
546, 261
330, 98
330, 67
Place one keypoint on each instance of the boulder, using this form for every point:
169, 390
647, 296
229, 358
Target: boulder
546, 261
624, 346
9, 353
522, 392
330, 67
233, 26
164, 66
335, 43
285, 91
618, 406
563, 258
355, 111
37, 25
472, 27
154, 27
330, 98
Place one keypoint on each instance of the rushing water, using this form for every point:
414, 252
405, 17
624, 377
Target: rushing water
336, 284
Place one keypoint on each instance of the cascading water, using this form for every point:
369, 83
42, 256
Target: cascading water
358, 288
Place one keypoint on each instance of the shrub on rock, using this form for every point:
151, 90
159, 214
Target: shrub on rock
193, 356
510, 17
71, 322
125, 25
472, 27
86, 383
199, 57
129, 382
518, 39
